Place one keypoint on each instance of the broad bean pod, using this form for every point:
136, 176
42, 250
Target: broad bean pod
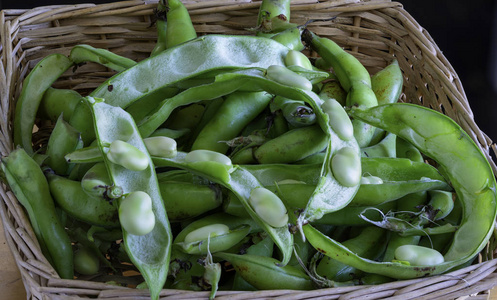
237, 110
353, 77
387, 83
34, 86
71, 197
161, 26
471, 176
370, 243
273, 16
292, 146
179, 24
64, 139
185, 200
57, 102
83, 53
206, 54
264, 273
297, 113
152, 261
241, 183
27, 181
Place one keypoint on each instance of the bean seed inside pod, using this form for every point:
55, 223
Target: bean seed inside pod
418, 255
297, 58
338, 119
135, 213
161, 146
285, 76
346, 166
127, 155
207, 155
203, 233
370, 179
268, 207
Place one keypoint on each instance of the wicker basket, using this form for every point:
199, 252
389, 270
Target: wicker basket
373, 31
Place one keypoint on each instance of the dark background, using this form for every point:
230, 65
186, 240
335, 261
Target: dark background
465, 31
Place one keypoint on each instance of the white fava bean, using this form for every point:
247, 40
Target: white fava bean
297, 58
346, 167
370, 179
338, 119
208, 155
161, 146
418, 255
135, 213
268, 207
285, 76
127, 155
208, 231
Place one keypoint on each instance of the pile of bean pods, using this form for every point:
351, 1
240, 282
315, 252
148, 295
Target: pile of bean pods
237, 163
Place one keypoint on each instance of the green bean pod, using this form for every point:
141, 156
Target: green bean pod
441, 202
70, 196
171, 133
292, 145
399, 177
241, 183
57, 102
369, 244
151, 261
404, 149
85, 262
332, 89
64, 139
471, 176
196, 57
34, 86
161, 26
265, 273
84, 53
244, 156
353, 77
30, 187
290, 37
348, 69
97, 183
145, 105
89, 154
237, 110
185, 117
213, 243
361, 94
82, 238
254, 80
297, 113
263, 247
186, 200
272, 11
387, 83
179, 24
387, 147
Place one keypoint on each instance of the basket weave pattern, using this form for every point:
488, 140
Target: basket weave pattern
373, 31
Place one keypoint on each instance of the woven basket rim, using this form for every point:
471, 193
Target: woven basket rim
377, 18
